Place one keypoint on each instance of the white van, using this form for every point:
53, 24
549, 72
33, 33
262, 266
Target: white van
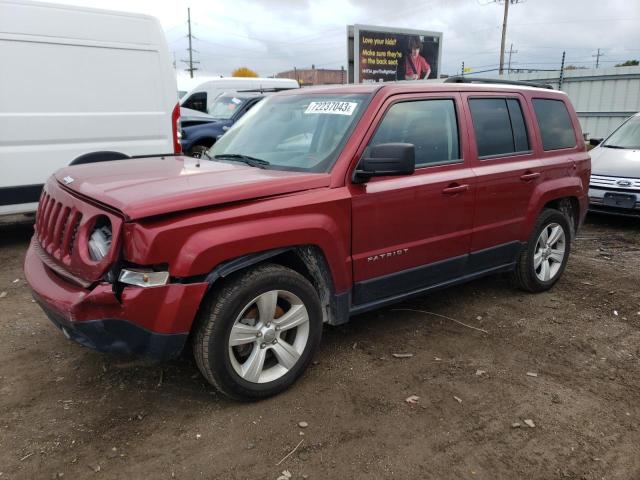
186, 83
204, 95
78, 85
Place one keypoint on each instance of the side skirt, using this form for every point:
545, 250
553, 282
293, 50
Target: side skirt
374, 293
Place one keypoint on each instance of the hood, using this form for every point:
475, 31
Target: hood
153, 186
615, 162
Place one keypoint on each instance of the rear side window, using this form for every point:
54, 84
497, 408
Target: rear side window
555, 124
499, 126
430, 125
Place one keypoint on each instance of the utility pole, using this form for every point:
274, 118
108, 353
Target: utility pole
504, 30
561, 79
190, 62
598, 55
511, 51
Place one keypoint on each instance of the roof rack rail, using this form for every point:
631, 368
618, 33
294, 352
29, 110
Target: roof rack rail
263, 90
461, 79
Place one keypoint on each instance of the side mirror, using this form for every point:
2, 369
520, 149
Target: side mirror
386, 159
595, 141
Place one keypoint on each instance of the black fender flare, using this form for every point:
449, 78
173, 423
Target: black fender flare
231, 266
95, 157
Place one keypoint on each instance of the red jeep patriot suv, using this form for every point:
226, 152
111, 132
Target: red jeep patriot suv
317, 205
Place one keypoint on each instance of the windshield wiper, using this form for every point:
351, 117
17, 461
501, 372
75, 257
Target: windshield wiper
614, 146
251, 161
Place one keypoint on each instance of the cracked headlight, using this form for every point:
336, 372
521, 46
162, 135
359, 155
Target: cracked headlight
100, 240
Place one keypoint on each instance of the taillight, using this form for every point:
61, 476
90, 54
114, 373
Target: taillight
175, 125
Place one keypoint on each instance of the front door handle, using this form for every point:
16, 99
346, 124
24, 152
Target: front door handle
527, 177
453, 189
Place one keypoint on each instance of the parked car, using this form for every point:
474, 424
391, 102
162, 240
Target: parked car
203, 96
615, 177
317, 205
198, 134
78, 85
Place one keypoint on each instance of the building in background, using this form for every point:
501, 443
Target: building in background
603, 97
315, 76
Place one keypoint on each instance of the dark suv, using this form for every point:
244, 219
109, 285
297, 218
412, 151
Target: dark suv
321, 204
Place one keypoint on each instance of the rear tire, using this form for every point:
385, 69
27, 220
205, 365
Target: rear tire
257, 334
544, 259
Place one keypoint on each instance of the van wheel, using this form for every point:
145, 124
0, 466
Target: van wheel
257, 334
542, 262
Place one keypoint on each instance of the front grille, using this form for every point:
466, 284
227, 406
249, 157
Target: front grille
56, 227
613, 183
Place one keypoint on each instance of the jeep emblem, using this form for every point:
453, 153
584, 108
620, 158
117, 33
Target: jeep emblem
67, 180
624, 183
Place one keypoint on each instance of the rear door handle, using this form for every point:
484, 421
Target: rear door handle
527, 177
453, 189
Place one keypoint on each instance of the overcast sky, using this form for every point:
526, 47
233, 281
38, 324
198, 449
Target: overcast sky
270, 36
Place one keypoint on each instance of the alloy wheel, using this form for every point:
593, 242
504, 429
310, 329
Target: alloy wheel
269, 336
550, 252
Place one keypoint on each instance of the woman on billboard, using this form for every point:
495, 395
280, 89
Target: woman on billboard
415, 65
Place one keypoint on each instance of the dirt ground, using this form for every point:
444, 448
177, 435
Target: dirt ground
69, 412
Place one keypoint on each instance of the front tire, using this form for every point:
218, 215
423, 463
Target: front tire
544, 259
256, 335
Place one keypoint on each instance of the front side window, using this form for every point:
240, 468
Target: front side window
430, 125
196, 101
555, 124
301, 132
499, 126
627, 136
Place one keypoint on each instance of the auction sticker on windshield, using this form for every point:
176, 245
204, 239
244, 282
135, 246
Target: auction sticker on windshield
335, 108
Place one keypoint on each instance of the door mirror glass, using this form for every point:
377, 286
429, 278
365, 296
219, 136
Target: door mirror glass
386, 159
595, 141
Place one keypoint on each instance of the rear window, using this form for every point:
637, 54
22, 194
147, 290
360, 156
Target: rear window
499, 126
555, 124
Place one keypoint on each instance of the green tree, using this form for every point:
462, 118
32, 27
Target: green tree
628, 63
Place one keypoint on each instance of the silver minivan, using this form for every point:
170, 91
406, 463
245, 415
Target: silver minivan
615, 171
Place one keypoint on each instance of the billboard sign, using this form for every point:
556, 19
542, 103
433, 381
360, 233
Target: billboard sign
381, 54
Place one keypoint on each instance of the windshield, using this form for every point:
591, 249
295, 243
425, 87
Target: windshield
225, 106
627, 136
294, 132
